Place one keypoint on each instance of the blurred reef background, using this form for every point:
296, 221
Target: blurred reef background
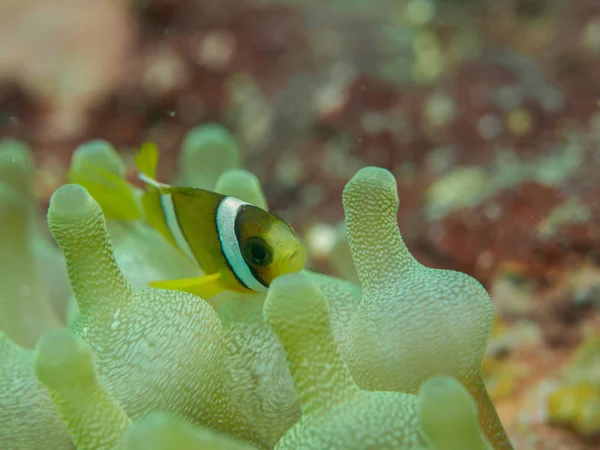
486, 112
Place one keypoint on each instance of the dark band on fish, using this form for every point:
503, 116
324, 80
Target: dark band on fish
237, 229
222, 252
226, 216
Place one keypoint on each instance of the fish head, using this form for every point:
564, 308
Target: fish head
269, 245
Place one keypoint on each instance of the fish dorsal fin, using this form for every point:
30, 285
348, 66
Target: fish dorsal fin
205, 287
146, 160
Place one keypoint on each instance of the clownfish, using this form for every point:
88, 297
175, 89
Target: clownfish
239, 246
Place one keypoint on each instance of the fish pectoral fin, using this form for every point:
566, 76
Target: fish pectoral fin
205, 287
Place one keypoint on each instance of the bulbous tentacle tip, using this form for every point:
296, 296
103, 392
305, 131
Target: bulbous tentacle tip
448, 415
16, 163
78, 226
9, 197
70, 201
162, 431
157, 431
17, 153
299, 316
208, 134
98, 153
371, 203
206, 152
293, 283
371, 182
241, 184
14, 226
442, 387
60, 358
449, 392
292, 296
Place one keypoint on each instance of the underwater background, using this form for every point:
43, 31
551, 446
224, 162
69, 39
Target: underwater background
485, 117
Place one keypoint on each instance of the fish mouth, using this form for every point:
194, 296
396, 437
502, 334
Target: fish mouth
297, 259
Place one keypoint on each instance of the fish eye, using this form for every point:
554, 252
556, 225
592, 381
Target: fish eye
257, 252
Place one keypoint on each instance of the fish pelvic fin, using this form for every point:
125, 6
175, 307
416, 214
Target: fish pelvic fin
114, 194
205, 287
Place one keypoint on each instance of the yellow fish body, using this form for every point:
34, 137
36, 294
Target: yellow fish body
239, 246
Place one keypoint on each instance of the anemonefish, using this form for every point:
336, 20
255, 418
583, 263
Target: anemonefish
239, 246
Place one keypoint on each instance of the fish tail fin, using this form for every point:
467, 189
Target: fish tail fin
114, 194
146, 161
